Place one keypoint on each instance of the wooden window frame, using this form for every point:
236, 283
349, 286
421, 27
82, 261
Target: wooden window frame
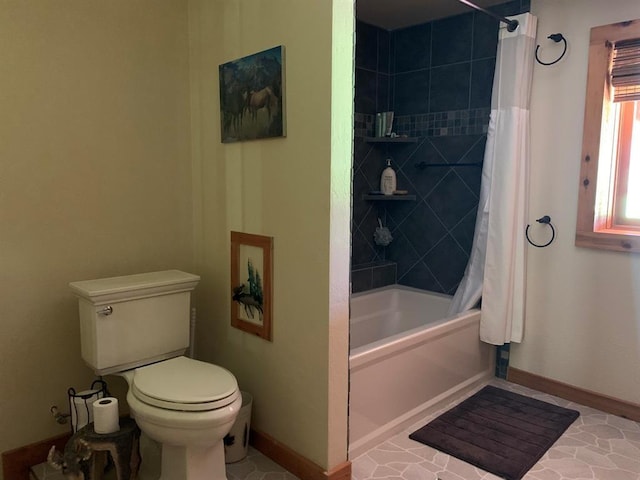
596, 226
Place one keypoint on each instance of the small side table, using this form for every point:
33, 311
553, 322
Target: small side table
123, 445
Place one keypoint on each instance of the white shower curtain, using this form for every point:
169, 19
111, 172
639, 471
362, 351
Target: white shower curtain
497, 265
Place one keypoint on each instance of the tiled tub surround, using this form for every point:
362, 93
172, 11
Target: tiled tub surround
432, 235
405, 358
437, 78
373, 275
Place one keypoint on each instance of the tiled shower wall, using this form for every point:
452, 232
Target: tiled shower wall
437, 78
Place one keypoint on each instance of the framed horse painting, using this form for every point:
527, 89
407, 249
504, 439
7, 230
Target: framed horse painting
252, 96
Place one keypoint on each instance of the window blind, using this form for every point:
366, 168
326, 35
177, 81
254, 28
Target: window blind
625, 71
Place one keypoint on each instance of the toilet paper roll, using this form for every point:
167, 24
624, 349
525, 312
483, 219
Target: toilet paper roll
105, 415
82, 407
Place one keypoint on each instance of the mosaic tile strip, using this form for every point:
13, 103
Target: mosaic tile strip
439, 124
363, 124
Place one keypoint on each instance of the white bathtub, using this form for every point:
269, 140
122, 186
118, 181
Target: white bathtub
407, 359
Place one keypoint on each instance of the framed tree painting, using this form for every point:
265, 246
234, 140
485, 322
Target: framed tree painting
251, 283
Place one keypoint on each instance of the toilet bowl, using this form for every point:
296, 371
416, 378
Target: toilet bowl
188, 406
137, 327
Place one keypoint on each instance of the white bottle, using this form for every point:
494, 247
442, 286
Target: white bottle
388, 180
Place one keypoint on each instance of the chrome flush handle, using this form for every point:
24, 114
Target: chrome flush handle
108, 310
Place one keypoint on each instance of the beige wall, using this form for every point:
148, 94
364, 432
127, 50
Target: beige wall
583, 305
95, 179
111, 163
294, 189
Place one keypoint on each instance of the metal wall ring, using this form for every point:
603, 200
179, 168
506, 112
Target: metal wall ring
546, 220
556, 37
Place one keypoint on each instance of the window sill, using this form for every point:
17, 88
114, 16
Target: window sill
616, 240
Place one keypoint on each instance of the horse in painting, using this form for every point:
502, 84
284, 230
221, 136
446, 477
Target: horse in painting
233, 109
264, 98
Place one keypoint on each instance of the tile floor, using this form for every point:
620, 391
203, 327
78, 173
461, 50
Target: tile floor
257, 467
597, 446
254, 467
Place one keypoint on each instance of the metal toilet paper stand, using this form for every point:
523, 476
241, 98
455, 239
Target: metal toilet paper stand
80, 402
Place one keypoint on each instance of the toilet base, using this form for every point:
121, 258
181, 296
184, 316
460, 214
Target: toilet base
193, 463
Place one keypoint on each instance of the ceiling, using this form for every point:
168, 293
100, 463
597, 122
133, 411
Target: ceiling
394, 14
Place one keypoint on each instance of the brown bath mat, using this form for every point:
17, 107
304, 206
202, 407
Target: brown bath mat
498, 431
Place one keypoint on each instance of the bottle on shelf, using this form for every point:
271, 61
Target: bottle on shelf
388, 180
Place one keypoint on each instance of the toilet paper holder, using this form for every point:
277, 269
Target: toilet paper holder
80, 403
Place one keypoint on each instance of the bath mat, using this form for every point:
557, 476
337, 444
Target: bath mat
498, 431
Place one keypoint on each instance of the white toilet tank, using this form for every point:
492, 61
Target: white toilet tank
134, 320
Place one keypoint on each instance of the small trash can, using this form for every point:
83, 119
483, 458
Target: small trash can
236, 443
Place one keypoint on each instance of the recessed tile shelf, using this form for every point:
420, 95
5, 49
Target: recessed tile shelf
391, 139
389, 198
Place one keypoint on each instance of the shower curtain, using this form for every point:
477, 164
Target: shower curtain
497, 265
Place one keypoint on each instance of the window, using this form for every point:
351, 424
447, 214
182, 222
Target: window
626, 206
609, 198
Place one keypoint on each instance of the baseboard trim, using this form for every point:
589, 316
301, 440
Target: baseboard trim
16, 463
612, 405
295, 463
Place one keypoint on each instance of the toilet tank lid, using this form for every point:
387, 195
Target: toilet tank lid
134, 286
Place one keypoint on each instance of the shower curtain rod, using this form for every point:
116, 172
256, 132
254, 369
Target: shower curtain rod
511, 24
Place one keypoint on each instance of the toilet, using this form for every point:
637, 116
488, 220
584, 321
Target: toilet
137, 326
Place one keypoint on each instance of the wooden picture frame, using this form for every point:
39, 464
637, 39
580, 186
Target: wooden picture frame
251, 283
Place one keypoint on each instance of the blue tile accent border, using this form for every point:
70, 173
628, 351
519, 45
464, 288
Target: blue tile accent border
439, 124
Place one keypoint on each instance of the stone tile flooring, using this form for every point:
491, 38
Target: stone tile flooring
254, 467
257, 467
597, 446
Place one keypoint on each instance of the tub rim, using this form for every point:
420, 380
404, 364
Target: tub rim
397, 286
379, 349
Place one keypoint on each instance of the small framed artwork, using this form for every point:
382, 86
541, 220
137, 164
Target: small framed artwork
251, 283
252, 96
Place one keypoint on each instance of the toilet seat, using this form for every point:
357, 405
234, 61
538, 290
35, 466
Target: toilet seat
184, 384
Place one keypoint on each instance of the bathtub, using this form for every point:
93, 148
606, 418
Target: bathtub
407, 359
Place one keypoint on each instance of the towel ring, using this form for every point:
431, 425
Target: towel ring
556, 37
546, 220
